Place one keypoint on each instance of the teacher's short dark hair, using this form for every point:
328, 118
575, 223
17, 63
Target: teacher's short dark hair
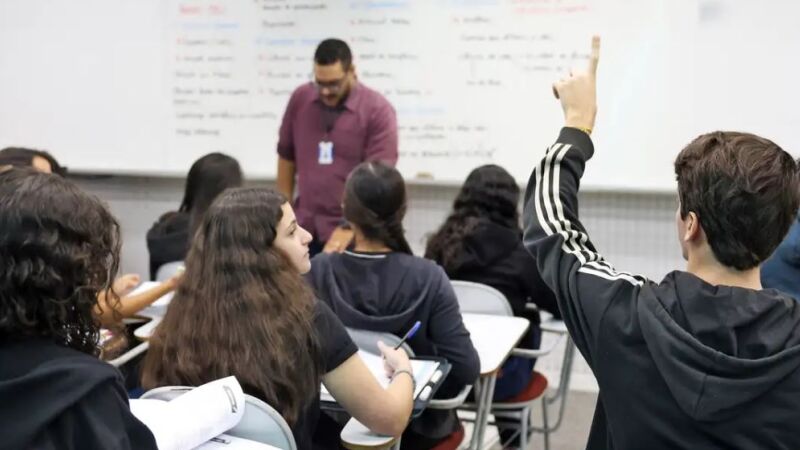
332, 50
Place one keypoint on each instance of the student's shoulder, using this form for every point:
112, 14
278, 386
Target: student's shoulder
336, 344
325, 320
423, 268
63, 371
81, 366
171, 220
322, 261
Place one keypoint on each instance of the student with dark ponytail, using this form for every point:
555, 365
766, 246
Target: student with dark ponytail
379, 285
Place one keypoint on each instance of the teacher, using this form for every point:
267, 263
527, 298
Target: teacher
330, 126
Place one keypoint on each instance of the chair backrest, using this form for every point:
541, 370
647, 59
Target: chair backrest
260, 422
166, 271
263, 423
481, 299
368, 340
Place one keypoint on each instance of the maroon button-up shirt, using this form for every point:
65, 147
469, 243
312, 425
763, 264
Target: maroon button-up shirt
365, 130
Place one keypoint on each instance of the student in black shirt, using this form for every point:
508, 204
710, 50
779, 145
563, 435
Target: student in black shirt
244, 309
705, 359
168, 239
379, 285
59, 248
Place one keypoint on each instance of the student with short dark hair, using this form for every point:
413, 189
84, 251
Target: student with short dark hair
706, 358
380, 285
243, 309
168, 239
481, 241
59, 248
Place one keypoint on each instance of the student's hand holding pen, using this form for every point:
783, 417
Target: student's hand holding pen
394, 360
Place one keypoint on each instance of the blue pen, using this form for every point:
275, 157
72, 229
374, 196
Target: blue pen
409, 334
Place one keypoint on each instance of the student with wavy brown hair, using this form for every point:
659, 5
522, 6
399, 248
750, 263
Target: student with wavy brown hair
243, 309
59, 248
380, 285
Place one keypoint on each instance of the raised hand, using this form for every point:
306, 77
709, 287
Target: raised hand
578, 93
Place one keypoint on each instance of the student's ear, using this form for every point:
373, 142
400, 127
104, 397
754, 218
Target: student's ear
693, 229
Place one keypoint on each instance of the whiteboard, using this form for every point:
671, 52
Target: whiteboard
148, 86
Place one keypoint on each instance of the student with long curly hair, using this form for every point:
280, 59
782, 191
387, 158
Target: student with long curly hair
481, 241
380, 285
243, 309
59, 248
109, 310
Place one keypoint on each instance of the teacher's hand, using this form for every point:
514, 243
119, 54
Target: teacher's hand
339, 240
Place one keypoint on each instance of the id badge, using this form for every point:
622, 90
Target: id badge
325, 152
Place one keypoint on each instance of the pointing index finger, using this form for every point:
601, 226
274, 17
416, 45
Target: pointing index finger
594, 59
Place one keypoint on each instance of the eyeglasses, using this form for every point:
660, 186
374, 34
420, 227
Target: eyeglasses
333, 86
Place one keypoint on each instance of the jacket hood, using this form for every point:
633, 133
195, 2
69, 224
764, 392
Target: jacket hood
170, 226
718, 347
384, 290
44, 384
487, 244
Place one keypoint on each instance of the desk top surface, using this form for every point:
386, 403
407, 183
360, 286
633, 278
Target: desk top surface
145, 331
494, 337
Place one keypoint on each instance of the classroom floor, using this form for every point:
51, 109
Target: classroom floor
571, 435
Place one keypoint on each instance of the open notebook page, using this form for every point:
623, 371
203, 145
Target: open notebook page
194, 417
423, 371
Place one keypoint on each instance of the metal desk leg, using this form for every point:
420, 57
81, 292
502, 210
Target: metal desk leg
487, 406
480, 408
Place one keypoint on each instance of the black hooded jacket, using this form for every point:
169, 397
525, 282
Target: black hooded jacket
388, 292
54, 397
494, 255
681, 364
168, 240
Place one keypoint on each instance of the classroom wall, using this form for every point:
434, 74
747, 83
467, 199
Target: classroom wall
634, 231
